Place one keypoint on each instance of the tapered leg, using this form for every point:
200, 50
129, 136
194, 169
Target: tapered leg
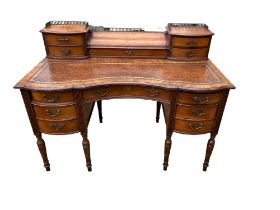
167, 147
42, 148
86, 147
158, 111
99, 106
210, 147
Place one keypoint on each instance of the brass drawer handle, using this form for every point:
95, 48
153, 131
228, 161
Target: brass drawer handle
102, 92
64, 39
51, 97
152, 92
196, 126
53, 112
198, 112
190, 53
192, 43
65, 51
56, 126
200, 99
128, 52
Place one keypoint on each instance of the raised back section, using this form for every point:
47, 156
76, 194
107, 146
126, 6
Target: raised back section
77, 39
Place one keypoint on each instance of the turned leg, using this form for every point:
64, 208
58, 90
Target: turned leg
42, 148
86, 147
167, 147
99, 106
158, 111
210, 147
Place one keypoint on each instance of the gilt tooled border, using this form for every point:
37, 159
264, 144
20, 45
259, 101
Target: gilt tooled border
33, 78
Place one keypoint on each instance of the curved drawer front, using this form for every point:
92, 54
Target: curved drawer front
196, 112
126, 91
66, 51
58, 127
189, 53
55, 112
66, 39
193, 127
200, 98
53, 96
190, 42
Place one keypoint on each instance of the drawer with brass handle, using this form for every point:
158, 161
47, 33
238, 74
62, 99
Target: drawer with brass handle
53, 96
66, 51
55, 112
200, 98
194, 54
58, 127
132, 91
196, 112
67, 39
193, 127
190, 42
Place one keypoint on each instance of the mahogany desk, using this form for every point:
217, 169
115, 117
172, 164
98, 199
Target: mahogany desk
60, 92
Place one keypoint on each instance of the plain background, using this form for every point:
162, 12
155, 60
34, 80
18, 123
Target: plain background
127, 149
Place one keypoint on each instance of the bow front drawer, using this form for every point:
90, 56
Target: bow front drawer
132, 91
67, 39
190, 42
58, 127
55, 112
66, 51
196, 111
192, 54
200, 98
53, 96
193, 127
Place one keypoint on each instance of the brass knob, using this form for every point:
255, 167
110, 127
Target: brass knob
196, 126
56, 126
200, 99
51, 97
53, 112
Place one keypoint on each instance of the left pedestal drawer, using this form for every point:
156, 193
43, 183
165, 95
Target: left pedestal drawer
58, 127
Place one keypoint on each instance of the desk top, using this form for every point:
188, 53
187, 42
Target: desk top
52, 74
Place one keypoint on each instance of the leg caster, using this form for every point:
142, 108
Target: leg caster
210, 147
99, 106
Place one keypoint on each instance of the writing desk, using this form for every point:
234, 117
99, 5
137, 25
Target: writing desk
59, 94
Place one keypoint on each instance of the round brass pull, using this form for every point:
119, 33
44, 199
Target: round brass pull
200, 99
198, 112
53, 112
192, 43
51, 97
196, 126
56, 126
190, 53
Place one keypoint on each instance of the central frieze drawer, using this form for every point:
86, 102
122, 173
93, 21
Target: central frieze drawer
53, 96
196, 111
55, 112
126, 91
58, 127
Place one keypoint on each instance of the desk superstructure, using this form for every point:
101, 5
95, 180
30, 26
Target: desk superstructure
87, 64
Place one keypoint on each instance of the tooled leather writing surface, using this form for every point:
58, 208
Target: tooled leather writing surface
58, 74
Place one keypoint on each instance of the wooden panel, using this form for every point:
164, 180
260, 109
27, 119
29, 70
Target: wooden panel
58, 127
129, 52
53, 96
55, 112
189, 53
200, 98
66, 51
196, 112
193, 127
190, 42
64, 39
126, 91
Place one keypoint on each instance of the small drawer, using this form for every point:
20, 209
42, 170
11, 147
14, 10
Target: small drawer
162, 53
53, 96
129, 91
66, 51
200, 98
193, 127
199, 53
67, 39
196, 112
190, 42
58, 127
55, 112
